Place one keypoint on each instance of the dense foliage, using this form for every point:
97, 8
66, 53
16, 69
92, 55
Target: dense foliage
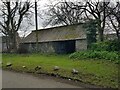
113, 56
90, 27
112, 45
107, 50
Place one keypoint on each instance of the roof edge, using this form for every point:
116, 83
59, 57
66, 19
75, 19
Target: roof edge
56, 40
57, 27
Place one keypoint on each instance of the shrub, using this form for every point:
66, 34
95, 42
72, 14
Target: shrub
112, 45
95, 55
91, 28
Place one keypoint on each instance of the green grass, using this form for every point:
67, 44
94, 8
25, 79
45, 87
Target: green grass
97, 72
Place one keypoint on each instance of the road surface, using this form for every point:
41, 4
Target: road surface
23, 80
0, 78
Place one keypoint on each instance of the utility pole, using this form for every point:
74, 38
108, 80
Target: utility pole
36, 25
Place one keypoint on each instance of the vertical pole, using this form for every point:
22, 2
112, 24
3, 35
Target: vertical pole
36, 26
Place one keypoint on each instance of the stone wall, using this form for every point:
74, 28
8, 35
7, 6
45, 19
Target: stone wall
59, 47
81, 45
46, 47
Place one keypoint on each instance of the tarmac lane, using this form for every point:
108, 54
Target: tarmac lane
12, 79
0, 78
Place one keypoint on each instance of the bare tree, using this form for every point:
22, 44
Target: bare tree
114, 18
13, 14
68, 13
63, 13
96, 10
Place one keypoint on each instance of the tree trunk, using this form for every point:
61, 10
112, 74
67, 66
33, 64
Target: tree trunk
12, 43
14, 48
101, 36
118, 35
7, 40
100, 31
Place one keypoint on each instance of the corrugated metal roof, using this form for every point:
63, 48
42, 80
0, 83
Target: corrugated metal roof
57, 34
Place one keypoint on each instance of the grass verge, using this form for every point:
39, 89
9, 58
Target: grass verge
98, 72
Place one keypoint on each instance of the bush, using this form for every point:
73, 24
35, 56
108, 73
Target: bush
95, 55
112, 45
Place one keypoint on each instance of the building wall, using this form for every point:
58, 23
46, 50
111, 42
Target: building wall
45, 47
81, 45
59, 47
0, 44
110, 36
4, 47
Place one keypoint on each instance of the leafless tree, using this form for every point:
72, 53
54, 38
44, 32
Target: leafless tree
63, 13
96, 10
69, 13
13, 14
114, 18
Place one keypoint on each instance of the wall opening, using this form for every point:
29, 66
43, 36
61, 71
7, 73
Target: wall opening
64, 47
